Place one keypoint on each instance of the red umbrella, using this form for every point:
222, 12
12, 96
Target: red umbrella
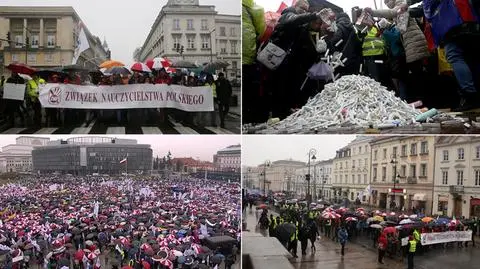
262, 206
92, 256
140, 67
158, 63
144, 247
389, 230
145, 265
79, 255
21, 68
351, 219
271, 20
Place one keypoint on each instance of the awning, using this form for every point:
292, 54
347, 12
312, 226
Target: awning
443, 198
419, 197
474, 201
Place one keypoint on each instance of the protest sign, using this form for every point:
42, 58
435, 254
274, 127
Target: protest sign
445, 237
14, 91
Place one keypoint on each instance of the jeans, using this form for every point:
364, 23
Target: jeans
455, 56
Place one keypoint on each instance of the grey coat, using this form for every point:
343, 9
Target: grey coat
414, 40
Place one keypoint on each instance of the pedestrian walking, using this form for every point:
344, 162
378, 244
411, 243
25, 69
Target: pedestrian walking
412, 248
303, 236
292, 245
313, 234
382, 246
343, 237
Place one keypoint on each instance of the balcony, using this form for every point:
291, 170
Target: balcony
412, 180
456, 189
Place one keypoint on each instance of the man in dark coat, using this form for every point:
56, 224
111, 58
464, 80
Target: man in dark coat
350, 46
292, 34
224, 93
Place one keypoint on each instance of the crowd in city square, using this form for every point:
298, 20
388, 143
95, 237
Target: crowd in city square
412, 50
397, 235
29, 112
116, 222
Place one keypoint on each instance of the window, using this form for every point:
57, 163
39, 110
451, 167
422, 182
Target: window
375, 174
384, 154
336, 179
375, 152
413, 149
32, 58
353, 179
353, 163
460, 177
384, 173
233, 45
222, 31
190, 24
413, 170
50, 41
18, 41
423, 170
477, 154
360, 163
403, 170
346, 179
365, 161
424, 147
445, 155
233, 32
359, 150
394, 151
341, 179
205, 42
365, 179
461, 154
404, 150
34, 40
204, 24
176, 24
15, 57
234, 65
176, 41
223, 47
191, 41
477, 177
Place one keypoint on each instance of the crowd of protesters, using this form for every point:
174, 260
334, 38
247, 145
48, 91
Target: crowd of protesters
91, 222
30, 113
417, 52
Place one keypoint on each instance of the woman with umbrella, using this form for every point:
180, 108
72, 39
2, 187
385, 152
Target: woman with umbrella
382, 246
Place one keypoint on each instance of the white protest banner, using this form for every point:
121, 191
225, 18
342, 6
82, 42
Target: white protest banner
192, 99
14, 91
445, 237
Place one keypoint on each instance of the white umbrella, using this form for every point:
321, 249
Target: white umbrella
406, 221
25, 77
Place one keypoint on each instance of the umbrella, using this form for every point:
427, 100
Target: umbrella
414, 216
158, 63
330, 215
403, 216
406, 221
378, 218
284, 232
46, 73
117, 70
377, 212
376, 226
25, 77
351, 219
442, 220
392, 214
140, 67
21, 68
111, 63
92, 256
183, 64
216, 65
360, 209
427, 219
454, 222
390, 230
79, 255
262, 206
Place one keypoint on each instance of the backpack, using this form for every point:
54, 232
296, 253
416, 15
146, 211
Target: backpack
445, 15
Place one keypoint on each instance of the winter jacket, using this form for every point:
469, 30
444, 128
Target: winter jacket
253, 26
342, 236
382, 242
351, 45
224, 91
414, 40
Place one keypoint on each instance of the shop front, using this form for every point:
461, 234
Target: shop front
474, 207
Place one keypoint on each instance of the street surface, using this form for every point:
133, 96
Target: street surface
361, 255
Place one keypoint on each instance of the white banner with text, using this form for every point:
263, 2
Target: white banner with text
445, 237
192, 99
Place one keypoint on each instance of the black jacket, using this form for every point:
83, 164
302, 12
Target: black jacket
351, 47
224, 90
16, 80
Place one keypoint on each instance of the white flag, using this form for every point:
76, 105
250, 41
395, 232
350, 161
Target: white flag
82, 45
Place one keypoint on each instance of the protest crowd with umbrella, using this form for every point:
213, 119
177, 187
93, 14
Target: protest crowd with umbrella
112, 72
143, 222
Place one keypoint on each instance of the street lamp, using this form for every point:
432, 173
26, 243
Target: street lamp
323, 180
394, 162
311, 156
211, 45
265, 165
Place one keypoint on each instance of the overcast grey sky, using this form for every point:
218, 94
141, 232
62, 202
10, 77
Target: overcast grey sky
256, 148
195, 146
346, 5
125, 24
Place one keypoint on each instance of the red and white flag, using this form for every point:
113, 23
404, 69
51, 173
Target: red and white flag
124, 160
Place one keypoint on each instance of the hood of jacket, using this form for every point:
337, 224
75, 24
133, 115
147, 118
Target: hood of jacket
248, 3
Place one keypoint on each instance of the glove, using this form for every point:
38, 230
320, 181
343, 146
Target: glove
383, 23
321, 46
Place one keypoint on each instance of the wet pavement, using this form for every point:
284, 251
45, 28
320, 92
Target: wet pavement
362, 255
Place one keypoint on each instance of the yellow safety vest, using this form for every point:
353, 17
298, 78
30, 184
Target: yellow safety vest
373, 45
416, 235
295, 234
32, 87
214, 89
311, 215
274, 223
413, 246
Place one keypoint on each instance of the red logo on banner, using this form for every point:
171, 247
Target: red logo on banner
54, 95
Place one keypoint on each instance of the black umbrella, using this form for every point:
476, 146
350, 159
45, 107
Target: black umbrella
46, 73
118, 70
284, 232
183, 64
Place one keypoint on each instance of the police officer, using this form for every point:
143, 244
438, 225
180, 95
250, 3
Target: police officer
33, 87
272, 225
292, 245
412, 248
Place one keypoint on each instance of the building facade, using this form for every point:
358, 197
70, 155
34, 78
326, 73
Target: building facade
457, 176
320, 183
341, 171
88, 155
359, 172
274, 176
204, 34
18, 157
52, 34
229, 158
402, 171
